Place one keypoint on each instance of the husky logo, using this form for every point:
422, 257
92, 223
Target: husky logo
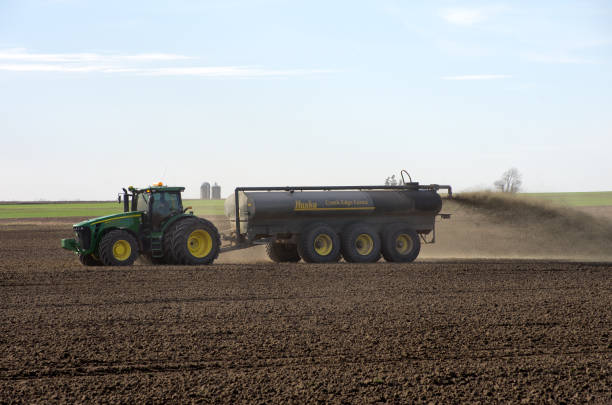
305, 205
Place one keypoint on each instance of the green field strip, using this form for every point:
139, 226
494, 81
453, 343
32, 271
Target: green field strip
579, 199
201, 208
57, 210
204, 208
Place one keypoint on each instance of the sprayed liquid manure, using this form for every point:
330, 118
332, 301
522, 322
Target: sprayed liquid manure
496, 225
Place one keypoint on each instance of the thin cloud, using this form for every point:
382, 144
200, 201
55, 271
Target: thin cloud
29, 67
24, 56
461, 49
476, 77
558, 58
208, 71
592, 43
145, 64
470, 16
235, 71
463, 16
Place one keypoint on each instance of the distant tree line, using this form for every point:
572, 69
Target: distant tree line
510, 181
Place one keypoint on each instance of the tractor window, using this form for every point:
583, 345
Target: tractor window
143, 202
174, 202
166, 203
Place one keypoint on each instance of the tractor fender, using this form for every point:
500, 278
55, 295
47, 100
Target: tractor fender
174, 220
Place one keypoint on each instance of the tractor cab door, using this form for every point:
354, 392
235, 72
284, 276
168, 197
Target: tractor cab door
162, 206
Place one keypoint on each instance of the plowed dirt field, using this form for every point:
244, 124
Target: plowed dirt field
443, 331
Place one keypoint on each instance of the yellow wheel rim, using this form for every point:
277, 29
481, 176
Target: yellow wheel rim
199, 243
122, 250
323, 244
403, 244
364, 244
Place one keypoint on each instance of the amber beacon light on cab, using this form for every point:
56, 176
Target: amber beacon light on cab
317, 224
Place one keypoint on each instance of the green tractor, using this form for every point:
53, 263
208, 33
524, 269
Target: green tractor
154, 224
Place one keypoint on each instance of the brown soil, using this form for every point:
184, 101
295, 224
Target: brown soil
603, 212
446, 331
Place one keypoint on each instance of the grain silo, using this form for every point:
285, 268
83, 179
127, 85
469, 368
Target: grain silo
216, 192
205, 191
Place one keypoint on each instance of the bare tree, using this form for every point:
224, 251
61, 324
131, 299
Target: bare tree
510, 181
391, 181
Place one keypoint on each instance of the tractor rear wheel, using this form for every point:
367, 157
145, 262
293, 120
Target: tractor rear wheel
400, 244
195, 241
360, 244
89, 260
167, 243
283, 252
319, 243
118, 248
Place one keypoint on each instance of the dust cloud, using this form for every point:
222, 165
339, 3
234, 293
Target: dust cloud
496, 225
252, 255
255, 254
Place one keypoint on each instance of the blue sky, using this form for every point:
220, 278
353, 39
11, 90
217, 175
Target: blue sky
96, 95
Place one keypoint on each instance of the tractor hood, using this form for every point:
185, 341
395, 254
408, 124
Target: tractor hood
109, 218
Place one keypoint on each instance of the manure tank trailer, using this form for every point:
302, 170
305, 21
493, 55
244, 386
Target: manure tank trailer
317, 224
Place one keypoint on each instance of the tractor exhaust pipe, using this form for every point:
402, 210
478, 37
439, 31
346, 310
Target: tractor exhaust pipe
126, 201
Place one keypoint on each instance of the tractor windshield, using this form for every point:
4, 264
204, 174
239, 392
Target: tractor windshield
166, 203
164, 206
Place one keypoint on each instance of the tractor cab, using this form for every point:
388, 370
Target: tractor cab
158, 203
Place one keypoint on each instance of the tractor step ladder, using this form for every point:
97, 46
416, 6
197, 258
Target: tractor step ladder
156, 246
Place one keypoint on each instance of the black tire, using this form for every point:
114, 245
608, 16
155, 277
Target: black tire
89, 260
400, 244
118, 248
167, 243
283, 252
319, 244
195, 241
360, 244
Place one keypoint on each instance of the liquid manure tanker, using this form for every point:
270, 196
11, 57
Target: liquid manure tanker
317, 224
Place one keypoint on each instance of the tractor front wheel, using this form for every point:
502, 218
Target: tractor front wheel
118, 248
89, 260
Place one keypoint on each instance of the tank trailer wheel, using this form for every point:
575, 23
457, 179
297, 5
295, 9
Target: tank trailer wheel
89, 260
319, 244
283, 252
400, 244
360, 244
118, 248
195, 241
